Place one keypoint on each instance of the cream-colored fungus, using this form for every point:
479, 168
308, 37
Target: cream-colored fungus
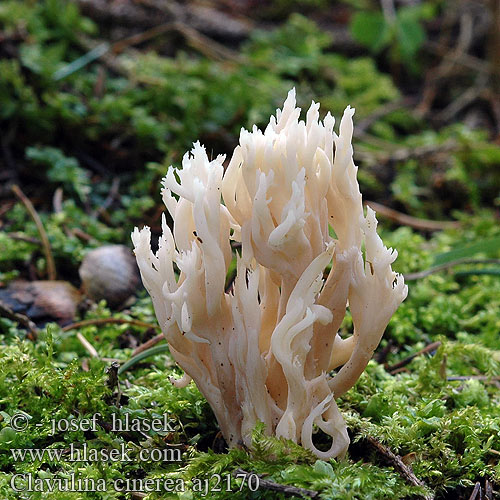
265, 350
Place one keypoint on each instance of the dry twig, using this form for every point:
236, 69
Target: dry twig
51, 267
488, 490
409, 359
408, 220
79, 233
266, 484
476, 491
466, 60
387, 153
23, 320
405, 471
108, 321
150, 343
24, 237
469, 96
87, 345
206, 45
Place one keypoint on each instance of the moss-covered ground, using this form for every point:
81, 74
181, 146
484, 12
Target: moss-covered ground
113, 125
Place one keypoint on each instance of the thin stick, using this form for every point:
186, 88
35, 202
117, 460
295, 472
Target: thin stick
24, 237
107, 321
465, 60
408, 220
144, 36
409, 359
484, 378
205, 45
475, 491
23, 320
88, 346
51, 267
405, 471
488, 490
470, 95
389, 153
150, 343
287, 490
82, 234
106, 52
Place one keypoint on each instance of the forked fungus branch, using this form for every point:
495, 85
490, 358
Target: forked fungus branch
265, 350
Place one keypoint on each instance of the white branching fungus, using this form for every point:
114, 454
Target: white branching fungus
265, 350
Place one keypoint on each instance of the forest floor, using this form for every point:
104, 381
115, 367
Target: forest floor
98, 98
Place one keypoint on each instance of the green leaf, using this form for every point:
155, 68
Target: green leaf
142, 355
410, 35
489, 247
323, 468
7, 435
82, 61
62, 169
371, 30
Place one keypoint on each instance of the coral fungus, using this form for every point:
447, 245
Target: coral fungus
266, 350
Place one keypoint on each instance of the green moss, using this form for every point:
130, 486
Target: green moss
442, 410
